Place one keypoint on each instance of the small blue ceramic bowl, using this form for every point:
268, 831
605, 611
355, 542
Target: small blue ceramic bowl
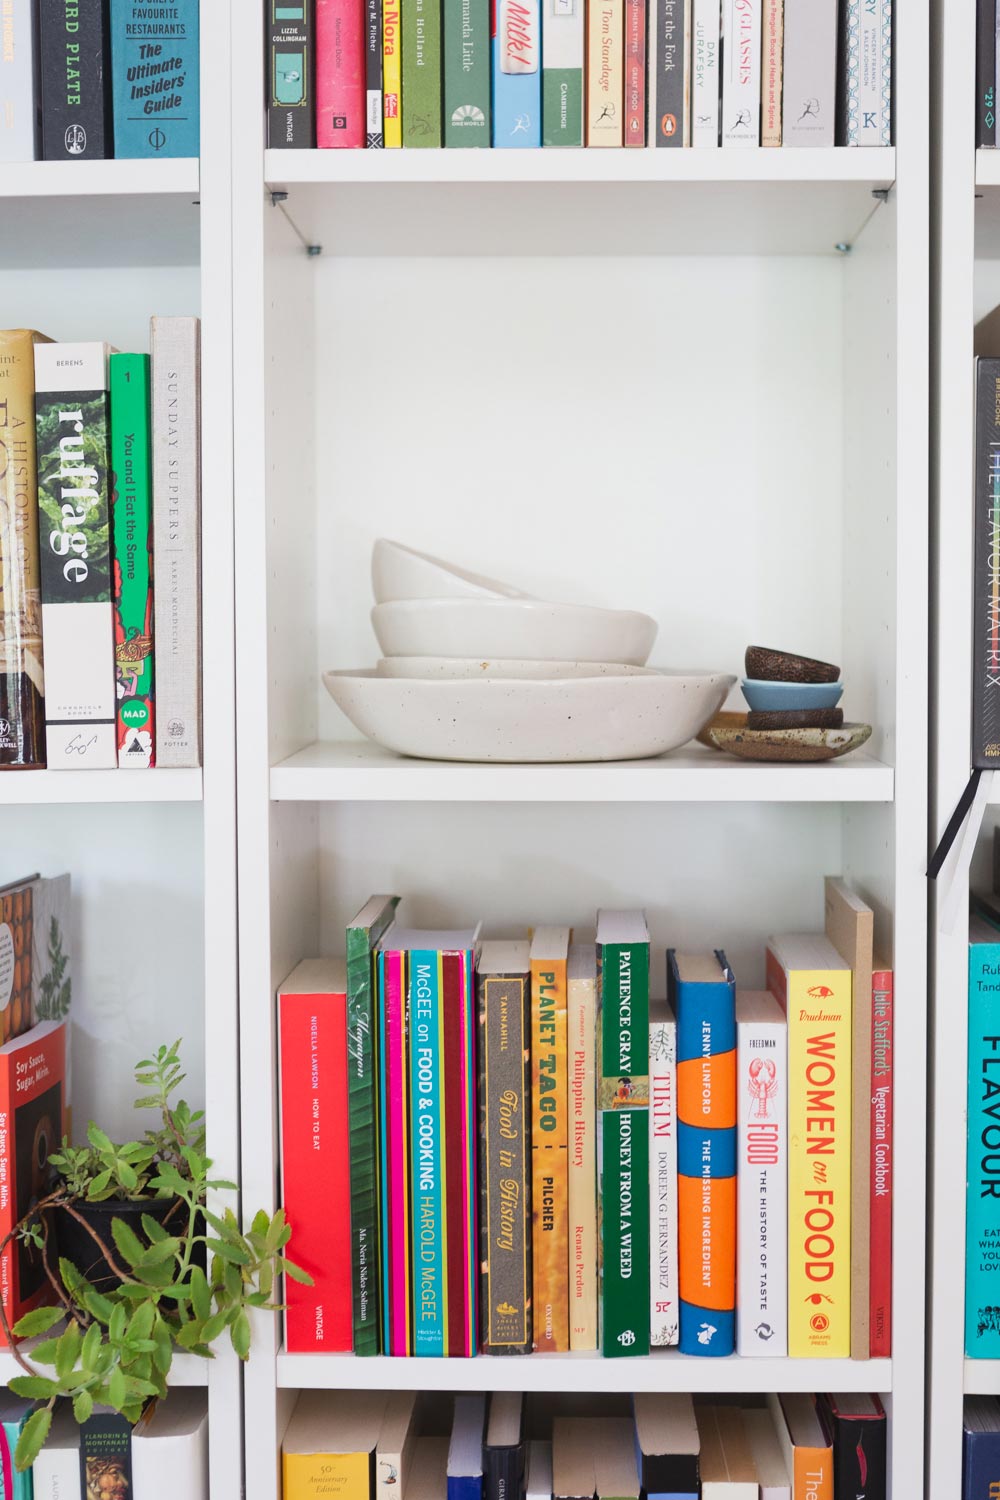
789, 697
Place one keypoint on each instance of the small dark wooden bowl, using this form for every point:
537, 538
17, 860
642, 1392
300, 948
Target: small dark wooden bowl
803, 718
765, 665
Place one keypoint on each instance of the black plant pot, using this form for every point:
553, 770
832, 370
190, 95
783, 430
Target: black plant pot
69, 1238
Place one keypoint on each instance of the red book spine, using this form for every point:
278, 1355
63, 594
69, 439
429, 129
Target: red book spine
315, 1170
459, 1150
340, 73
880, 1244
635, 72
32, 1122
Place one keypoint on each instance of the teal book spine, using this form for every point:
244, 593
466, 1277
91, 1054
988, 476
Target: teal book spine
429, 1229
982, 1219
624, 1230
466, 43
154, 78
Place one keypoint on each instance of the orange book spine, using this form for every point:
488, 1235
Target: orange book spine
549, 1136
813, 1474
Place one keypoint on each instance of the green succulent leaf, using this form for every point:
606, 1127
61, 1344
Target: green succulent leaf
35, 1387
83, 1406
240, 1335
33, 1435
40, 1320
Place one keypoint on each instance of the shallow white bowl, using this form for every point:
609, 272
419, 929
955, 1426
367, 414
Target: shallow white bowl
495, 719
428, 667
399, 572
526, 629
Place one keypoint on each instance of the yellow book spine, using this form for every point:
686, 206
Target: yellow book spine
605, 72
318, 1476
392, 74
819, 1163
549, 1179
582, 1163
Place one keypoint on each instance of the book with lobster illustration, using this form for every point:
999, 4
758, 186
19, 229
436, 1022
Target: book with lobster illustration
761, 1175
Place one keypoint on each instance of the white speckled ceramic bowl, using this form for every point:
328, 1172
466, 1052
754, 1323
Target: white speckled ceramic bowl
399, 572
524, 629
430, 667
498, 719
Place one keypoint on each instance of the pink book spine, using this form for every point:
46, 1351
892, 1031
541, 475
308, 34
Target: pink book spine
340, 73
880, 1241
470, 1075
397, 1156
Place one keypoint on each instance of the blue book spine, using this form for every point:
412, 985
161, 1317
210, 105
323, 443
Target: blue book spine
517, 73
465, 1487
980, 1464
430, 1291
982, 1219
154, 78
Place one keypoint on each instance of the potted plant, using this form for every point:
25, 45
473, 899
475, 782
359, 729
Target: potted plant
139, 1263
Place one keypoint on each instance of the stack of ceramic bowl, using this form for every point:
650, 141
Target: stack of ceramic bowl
473, 669
794, 713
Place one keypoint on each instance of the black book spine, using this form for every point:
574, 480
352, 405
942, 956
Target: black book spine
374, 128
986, 66
503, 1470
75, 79
986, 601
106, 1454
290, 113
668, 72
859, 1466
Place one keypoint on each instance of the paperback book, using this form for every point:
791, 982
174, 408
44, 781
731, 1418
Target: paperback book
880, 1163
741, 35
707, 46
132, 531
517, 73
563, 34
466, 45
154, 74
549, 1096
18, 84
73, 69
663, 1267
582, 1165
762, 1176
290, 105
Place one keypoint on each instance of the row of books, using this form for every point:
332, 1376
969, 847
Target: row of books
401, 1446
98, 78
164, 1456
535, 1157
100, 478
579, 72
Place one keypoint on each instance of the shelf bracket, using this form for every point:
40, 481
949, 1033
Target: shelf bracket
880, 196
279, 197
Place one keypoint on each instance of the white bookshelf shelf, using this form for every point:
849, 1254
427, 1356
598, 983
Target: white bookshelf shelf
359, 771
187, 1369
582, 1372
103, 179
59, 787
981, 1377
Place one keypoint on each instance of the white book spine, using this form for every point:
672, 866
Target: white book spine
176, 409
705, 47
741, 43
55, 1474
762, 1189
864, 130
810, 73
18, 104
663, 1267
164, 1468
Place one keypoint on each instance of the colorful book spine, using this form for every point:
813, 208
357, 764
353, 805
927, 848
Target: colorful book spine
635, 72
32, 1105
22, 687
663, 1267
315, 1154
581, 1043
703, 995
290, 111
422, 72
72, 71
176, 378
810, 77
466, 45
394, 1157
459, 1143
392, 74
772, 64
549, 1110
861, 73
154, 78
18, 91
425, 1042
562, 72
71, 409
624, 1178
817, 1006
986, 599
982, 1319
517, 73
363, 936
605, 72
761, 1178
880, 1276
705, 56
374, 108
340, 73
105, 1449
132, 530
741, 38
670, 72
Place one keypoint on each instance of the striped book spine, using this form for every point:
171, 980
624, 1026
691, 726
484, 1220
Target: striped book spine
425, 1033
394, 1156
459, 1138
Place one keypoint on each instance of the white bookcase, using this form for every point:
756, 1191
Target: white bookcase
693, 382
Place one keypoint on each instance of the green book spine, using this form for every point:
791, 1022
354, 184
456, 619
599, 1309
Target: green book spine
562, 106
623, 978
132, 537
624, 1233
422, 73
466, 38
362, 1103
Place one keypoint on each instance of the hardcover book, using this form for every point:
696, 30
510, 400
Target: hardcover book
17, 952
176, 404
55, 1474
762, 1176
315, 1153
812, 984
982, 1229
706, 47
374, 109
616, 1471
880, 1163
769, 1461
810, 78
396, 1447
702, 991
422, 72
73, 64
22, 687
986, 118
635, 72
727, 1467
394, 1153
624, 1175
605, 72
623, 1001
563, 33
663, 1267
549, 1109
18, 83
517, 73
538, 1477
582, 1166
71, 411
980, 1447
503, 987
329, 1444
132, 535
573, 1442
857, 1424
392, 74
35, 955
670, 62
340, 73
32, 1124
741, 28
465, 1449
428, 1230
290, 111
986, 603
668, 1444
154, 75
805, 1444
466, 43
461, 1177
504, 1448
429, 1475
861, 72
363, 937
105, 1454
171, 1438
772, 73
